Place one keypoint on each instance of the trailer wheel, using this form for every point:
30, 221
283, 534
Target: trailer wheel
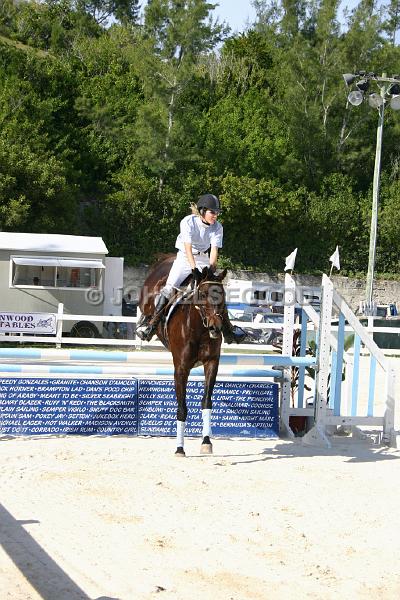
84, 329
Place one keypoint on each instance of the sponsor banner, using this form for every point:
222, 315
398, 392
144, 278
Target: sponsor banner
30, 323
32, 406
244, 409
103, 406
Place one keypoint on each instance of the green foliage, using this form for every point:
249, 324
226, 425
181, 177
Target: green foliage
264, 217
112, 128
337, 215
36, 191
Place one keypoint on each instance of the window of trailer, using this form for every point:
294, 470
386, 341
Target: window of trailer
52, 272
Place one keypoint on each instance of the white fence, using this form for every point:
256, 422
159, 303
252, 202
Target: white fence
111, 334
338, 402
333, 374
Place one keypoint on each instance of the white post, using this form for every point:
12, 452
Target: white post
287, 350
388, 424
375, 202
60, 314
138, 341
317, 435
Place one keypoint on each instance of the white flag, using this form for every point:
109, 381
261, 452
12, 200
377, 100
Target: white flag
290, 260
335, 259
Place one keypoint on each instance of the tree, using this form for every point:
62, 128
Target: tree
125, 11
392, 24
8, 11
337, 217
176, 33
388, 256
37, 191
273, 219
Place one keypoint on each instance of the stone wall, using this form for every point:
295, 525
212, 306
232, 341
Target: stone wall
352, 290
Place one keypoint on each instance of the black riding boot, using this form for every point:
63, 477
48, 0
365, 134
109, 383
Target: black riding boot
146, 330
232, 334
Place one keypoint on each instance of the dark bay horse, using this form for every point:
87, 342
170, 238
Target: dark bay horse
193, 335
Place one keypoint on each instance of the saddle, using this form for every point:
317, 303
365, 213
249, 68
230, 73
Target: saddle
178, 298
168, 310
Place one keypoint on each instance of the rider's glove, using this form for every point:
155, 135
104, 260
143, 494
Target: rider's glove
196, 276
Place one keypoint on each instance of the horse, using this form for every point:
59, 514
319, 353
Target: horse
193, 335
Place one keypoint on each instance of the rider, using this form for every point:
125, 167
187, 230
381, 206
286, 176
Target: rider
198, 243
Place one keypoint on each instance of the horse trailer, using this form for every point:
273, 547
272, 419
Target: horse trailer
40, 271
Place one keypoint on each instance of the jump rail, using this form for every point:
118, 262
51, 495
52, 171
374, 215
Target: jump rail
325, 408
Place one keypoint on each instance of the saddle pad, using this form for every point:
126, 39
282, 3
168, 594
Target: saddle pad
181, 295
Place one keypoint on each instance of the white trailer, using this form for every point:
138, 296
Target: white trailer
243, 292
40, 271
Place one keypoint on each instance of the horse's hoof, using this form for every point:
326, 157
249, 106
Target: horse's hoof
206, 448
180, 452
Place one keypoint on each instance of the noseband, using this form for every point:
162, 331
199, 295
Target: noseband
204, 313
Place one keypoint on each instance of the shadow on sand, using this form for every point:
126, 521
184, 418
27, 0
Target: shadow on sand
35, 564
355, 450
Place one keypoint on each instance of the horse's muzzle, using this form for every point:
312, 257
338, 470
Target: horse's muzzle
214, 328
214, 333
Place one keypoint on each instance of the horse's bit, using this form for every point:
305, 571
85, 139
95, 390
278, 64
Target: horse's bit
203, 313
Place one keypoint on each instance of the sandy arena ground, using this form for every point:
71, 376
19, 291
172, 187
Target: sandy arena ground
123, 518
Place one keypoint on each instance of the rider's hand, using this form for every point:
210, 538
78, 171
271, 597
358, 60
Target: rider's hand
196, 276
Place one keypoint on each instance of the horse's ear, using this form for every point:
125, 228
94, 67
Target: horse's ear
204, 272
222, 275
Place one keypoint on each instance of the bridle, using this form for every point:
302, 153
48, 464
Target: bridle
204, 312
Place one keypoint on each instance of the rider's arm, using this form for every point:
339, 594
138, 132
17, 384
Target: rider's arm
189, 254
213, 257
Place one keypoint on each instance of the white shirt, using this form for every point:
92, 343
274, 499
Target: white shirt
201, 236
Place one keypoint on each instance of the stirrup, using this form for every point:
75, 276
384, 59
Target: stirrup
147, 333
145, 330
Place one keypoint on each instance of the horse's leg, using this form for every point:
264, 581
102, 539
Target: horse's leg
181, 378
210, 372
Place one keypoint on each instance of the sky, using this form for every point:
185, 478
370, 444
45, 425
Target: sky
236, 13
239, 13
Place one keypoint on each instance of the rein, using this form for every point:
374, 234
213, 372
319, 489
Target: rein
203, 313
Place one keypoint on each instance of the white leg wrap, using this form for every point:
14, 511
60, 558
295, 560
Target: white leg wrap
180, 433
206, 414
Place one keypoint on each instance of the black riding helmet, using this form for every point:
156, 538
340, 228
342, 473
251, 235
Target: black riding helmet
208, 202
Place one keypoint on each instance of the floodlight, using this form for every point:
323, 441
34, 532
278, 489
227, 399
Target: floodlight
375, 100
389, 89
363, 85
395, 102
349, 78
355, 98
394, 89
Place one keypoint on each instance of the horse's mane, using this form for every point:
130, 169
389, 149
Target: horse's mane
210, 275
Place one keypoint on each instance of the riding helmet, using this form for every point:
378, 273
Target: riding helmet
208, 201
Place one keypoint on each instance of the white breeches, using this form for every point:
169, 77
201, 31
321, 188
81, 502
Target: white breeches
181, 269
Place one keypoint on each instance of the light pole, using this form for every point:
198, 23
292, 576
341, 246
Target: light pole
389, 92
